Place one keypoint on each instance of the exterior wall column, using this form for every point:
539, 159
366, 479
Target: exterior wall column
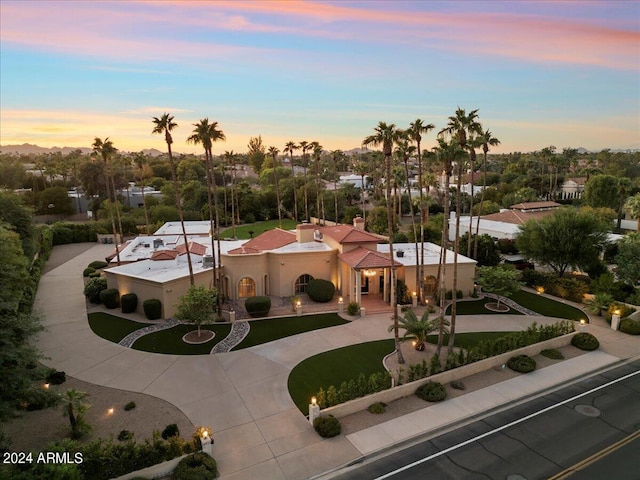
392, 288
385, 288
358, 287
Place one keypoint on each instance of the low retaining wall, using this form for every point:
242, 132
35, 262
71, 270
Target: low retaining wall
395, 393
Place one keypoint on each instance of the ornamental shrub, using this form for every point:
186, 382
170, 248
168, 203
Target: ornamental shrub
170, 430
93, 288
197, 466
320, 290
552, 353
125, 435
258, 306
327, 426
94, 275
585, 341
98, 264
87, 271
432, 392
38, 399
377, 408
353, 308
630, 326
110, 297
152, 308
625, 310
54, 377
522, 364
129, 302
130, 406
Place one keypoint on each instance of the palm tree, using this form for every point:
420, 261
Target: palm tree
418, 329
633, 205
472, 143
164, 125
304, 146
75, 406
415, 131
106, 149
316, 148
335, 155
142, 169
599, 302
386, 135
361, 168
289, 148
273, 151
488, 140
231, 158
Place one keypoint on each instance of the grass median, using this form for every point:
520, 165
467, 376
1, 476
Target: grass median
111, 327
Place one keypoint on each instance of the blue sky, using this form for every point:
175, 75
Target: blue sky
540, 73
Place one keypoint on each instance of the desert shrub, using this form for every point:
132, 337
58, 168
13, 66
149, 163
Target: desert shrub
129, 302
152, 308
377, 408
625, 310
552, 353
88, 271
458, 385
54, 377
197, 466
522, 364
130, 406
170, 430
585, 341
353, 308
110, 297
320, 290
125, 435
38, 399
432, 392
98, 264
327, 426
258, 306
630, 326
93, 288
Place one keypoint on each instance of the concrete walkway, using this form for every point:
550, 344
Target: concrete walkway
243, 395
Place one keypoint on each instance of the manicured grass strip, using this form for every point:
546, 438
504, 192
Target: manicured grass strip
334, 367
477, 307
263, 331
170, 341
111, 327
242, 232
468, 340
547, 307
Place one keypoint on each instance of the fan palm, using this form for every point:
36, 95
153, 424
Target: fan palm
304, 146
289, 148
488, 140
335, 155
316, 148
142, 169
417, 328
386, 135
273, 151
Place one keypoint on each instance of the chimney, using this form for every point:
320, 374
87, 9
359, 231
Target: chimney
358, 222
304, 232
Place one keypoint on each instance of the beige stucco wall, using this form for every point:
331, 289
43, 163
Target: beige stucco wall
466, 275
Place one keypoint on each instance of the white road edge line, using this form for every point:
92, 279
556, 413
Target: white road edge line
499, 429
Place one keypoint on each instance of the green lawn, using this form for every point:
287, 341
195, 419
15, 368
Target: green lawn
546, 306
242, 232
170, 341
477, 307
334, 367
263, 331
468, 340
111, 327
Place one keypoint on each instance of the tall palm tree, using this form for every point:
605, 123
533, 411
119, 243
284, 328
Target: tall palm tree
106, 149
488, 140
361, 168
164, 125
472, 143
415, 131
273, 151
290, 147
231, 158
304, 146
316, 148
633, 205
386, 135
335, 155
141, 170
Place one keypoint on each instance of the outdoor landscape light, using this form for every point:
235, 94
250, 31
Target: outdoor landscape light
298, 303
205, 433
340, 300
314, 401
413, 294
616, 312
540, 290
46, 386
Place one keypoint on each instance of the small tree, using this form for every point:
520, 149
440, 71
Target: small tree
628, 258
501, 280
197, 305
415, 328
599, 302
75, 406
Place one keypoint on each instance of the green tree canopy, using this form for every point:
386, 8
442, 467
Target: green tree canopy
567, 238
602, 191
501, 280
628, 259
197, 305
19, 218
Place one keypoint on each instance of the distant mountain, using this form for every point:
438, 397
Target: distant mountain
29, 149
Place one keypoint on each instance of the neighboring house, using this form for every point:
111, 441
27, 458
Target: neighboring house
572, 188
281, 263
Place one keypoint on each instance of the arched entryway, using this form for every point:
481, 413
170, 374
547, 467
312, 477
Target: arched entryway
246, 288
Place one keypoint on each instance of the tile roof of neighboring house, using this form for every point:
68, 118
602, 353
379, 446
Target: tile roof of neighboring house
164, 255
194, 247
360, 258
516, 216
577, 180
243, 250
270, 240
534, 205
349, 234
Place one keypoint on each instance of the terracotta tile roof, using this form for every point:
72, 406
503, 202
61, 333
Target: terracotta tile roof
534, 205
243, 251
361, 258
349, 234
270, 240
164, 255
516, 216
194, 247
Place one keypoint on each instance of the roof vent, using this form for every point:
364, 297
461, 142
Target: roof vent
400, 253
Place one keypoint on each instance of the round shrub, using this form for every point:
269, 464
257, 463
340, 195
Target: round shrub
258, 306
93, 288
88, 271
432, 392
377, 408
152, 308
320, 291
129, 302
130, 406
170, 430
197, 466
125, 435
98, 264
327, 426
110, 297
630, 326
585, 341
522, 364
94, 275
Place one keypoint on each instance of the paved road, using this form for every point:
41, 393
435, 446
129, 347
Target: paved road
535, 440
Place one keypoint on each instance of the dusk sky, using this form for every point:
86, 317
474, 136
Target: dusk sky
563, 73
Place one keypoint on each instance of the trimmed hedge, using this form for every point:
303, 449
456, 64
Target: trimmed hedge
88, 271
320, 290
630, 326
93, 288
258, 306
327, 426
97, 264
522, 364
152, 308
129, 302
110, 297
585, 341
200, 466
432, 392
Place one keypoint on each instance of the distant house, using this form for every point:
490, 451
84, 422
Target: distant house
572, 188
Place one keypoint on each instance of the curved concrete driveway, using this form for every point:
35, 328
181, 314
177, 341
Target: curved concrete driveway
242, 395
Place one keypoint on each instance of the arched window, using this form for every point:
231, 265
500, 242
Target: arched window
246, 288
302, 282
430, 284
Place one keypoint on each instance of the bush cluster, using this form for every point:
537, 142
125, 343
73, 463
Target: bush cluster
625, 310
630, 326
522, 364
88, 271
38, 399
567, 288
54, 377
125, 435
98, 264
110, 297
321, 291
93, 288
129, 302
197, 466
327, 426
432, 392
353, 308
585, 341
152, 308
353, 389
170, 430
258, 306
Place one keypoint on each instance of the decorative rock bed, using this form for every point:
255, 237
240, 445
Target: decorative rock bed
192, 337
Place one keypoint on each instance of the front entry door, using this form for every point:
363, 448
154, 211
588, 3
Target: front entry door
364, 288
